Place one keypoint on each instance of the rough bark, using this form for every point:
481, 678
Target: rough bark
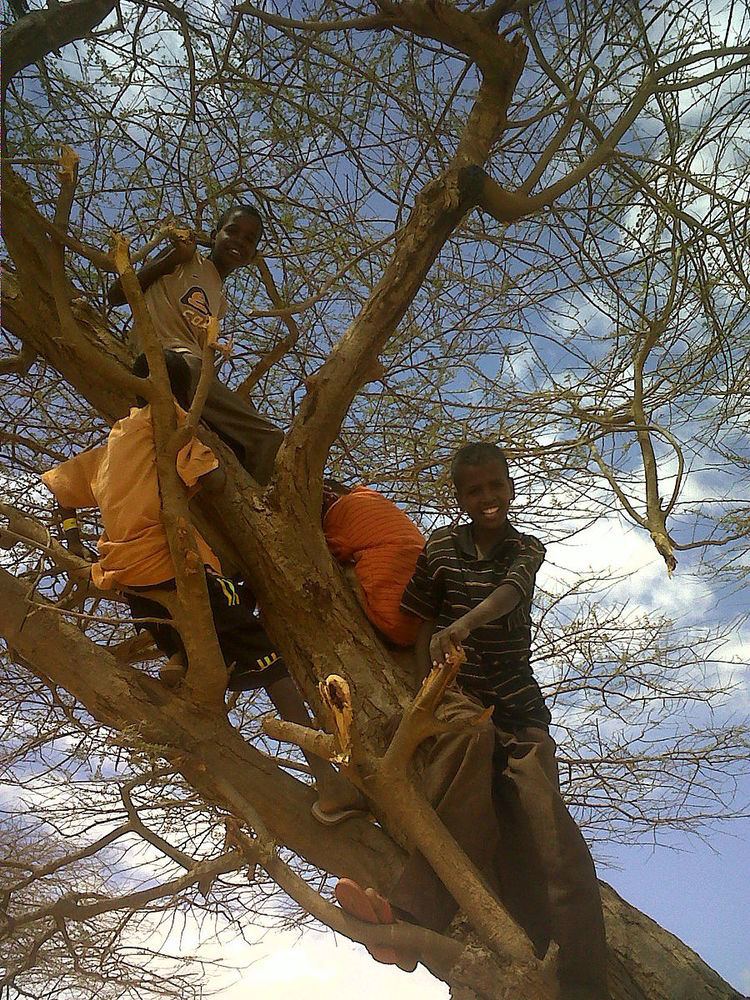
40, 32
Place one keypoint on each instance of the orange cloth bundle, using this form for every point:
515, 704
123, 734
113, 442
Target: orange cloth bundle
369, 530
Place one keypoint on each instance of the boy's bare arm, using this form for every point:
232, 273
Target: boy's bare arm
179, 253
72, 534
500, 603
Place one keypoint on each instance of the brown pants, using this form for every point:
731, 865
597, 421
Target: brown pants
251, 436
497, 793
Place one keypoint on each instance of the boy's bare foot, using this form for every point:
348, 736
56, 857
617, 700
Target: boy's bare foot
338, 800
369, 906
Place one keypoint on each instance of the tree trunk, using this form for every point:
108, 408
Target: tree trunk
646, 962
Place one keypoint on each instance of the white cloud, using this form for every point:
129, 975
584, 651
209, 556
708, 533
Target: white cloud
616, 550
325, 966
284, 965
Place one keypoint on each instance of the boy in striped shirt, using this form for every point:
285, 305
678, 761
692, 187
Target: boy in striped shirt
472, 587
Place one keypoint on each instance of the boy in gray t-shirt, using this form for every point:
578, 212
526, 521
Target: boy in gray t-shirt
184, 292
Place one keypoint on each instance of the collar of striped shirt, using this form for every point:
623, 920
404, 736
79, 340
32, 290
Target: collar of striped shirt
465, 540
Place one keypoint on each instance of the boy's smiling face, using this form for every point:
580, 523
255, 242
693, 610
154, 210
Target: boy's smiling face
236, 243
485, 493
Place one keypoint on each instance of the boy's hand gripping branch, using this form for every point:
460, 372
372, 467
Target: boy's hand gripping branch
184, 244
419, 720
445, 645
72, 536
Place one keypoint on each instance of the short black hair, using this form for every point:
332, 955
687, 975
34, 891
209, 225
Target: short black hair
336, 487
477, 453
244, 207
179, 376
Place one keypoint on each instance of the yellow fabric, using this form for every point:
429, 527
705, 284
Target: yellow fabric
120, 479
185, 306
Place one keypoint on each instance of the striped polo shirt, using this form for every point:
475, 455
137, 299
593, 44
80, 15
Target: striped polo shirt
450, 579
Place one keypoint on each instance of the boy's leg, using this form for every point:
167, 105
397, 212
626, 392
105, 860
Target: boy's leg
165, 636
248, 654
246, 647
545, 846
457, 782
252, 437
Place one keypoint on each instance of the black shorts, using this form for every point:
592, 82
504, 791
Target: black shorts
250, 658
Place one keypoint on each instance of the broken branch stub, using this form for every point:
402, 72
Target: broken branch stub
68, 164
337, 697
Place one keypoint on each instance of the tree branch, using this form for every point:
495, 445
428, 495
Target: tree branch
20, 363
286, 344
374, 22
42, 31
211, 755
207, 672
438, 209
74, 906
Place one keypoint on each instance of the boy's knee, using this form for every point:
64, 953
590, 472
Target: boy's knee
275, 437
262, 453
457, 706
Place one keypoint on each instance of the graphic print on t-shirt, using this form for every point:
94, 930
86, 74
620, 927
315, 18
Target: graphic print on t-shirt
198, 309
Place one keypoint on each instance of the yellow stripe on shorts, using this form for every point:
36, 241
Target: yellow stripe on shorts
267, 661
228, 591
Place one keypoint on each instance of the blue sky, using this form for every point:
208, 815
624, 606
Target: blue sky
697, 890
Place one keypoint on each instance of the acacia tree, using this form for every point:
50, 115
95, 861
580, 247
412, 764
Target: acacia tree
512, 220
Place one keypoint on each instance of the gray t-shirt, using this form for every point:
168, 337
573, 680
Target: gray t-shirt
181, 305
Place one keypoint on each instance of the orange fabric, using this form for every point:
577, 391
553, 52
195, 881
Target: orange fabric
120, 479
367, 529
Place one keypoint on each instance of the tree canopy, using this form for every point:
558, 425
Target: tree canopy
520, 222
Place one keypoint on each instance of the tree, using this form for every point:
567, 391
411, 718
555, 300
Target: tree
529, 224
